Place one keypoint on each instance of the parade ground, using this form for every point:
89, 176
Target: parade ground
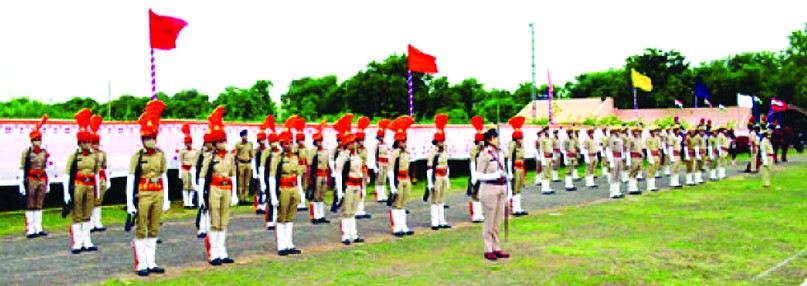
731, 232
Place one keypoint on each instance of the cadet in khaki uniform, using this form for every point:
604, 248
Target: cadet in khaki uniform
265, 162
553, 137
350, 167
653, 146
475, 207
753, 142
33, 181
767, 158
104, 179
615, 153
302, 155
257, 154
188, 158
204, 213
437, 174
243, 155
571, 149
283, 181
494, 194
634, 163
700, 153
722, 145
663, 136
83, 165
381, 159
219, 167
689, 155
152, 191
363, 122
604, 144
400, 186
546, 149
674, 140
319, 175
515, 169
626, 142
589, 150
712, 153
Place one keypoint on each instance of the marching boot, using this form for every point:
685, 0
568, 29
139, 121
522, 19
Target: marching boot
38, 224
222, 239
345, 228
404, 226
354, 232
322, 218
546, 189
151, 256
569, 185
301, 205
640, 176
212, 242
290, 239
186, 199
607, 177
624, 175
538, 179
380, 193
86, 239
141, 264
689, 181
476, 212
651, 184
30, 225
698, 178
575, 175
614, 191
555, 176
633, 189
675, 181
519, 210
96, 220
435, 222
667, 171
721, 173
280, 237
395, 225
713, 174
442, 217
75, 238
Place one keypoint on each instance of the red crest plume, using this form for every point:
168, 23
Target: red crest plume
479, 123
216, 125
186, 129
440, 121
382, 126
36, 133
83, 121
287, 126
318, 136
299, 124
342, 126
517, 122
400, 125
363, 123
95, 125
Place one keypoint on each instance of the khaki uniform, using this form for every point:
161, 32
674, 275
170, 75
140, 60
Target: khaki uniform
102, 175
767, 151
689, 143
320, 166
618, 151
473, 157
605, 143
267, 161
84, 195
653, 146
547, 150
243, 155
286, 167
590, 155
723, 146
302, 157
404, 186
516, 155
438, 162
475, 207
382, 162
753, 138
149, 192
674, 152
636, 156
572, 153
187, 157
700, 144
353, 183
221, 188
493, 196
37, 178
555, 157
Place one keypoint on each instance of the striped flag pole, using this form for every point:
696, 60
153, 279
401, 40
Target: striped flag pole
635, 106
411, 99
153, 79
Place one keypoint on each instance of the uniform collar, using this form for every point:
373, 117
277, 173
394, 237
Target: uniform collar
37, 150
150, 151
221, 153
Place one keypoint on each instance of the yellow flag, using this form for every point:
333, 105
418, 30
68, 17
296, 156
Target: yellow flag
640, 80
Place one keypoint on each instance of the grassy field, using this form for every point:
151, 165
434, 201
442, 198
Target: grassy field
724, 233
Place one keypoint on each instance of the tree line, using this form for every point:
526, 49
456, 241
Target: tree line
380, 90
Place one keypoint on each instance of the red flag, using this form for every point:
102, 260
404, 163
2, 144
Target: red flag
778, 105
164, 31
421, 62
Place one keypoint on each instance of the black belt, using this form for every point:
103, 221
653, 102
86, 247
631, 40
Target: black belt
498, 182
244, 161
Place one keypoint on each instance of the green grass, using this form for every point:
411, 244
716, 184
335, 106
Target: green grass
718, 234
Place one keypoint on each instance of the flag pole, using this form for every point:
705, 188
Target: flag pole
153, 80
549, 79
411, 100
635, 106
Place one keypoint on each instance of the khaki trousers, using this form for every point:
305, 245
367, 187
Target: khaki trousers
149, 213
404, 188
766, 174
651, 171
635, 167
350, 201
381, 179
187, 185
35, 194
83, 202
319, 189
244, 178
518, 180
493, 198
219, 200
287, 207
440, 190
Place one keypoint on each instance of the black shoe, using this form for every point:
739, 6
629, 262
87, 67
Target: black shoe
98, 229
654, 190
577, 180
260, 212
399, 234
548, 193
445, 206
159, 240
435, 227
142, 273
411, 232
445, 226
324, 220
302, 208
524, 213
271, 227
157, 270
617, 196
593, 186
677, 187
314, 221
227, 260
358, 240
516, 214
381, 201
359, 216
368, 216
407, 211
215, 262
283, 252
76, 250
201, 235
33, 235
295, 251
477, 221
92, 248
346, 242
572, 189
635, 193
41, 233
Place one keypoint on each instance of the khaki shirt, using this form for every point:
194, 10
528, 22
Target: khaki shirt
322, 159
38, 161
152, 166
572, 146
590, 145
302, 157
403, 159
488, 164
766, 146
269, 153
101, 158
355, 165
652, 143
475, 152
723, 142
442, 158
546, 146
188, 157
615, 143
85, 164
382, 151
224, 167
243, 151
285, 163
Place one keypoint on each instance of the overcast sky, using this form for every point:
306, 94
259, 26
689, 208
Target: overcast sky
54, 50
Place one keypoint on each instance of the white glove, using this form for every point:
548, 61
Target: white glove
509, 192
200, 192
109, 180
473, 173
697, 153
686, 153
448, 179
544, 161
254, 171
166, 201
331, 164
429, 182
234, 191
671, 154
130, 185
489, 176
97, 192
711, 154
650, 160
338, 184
21, 178
565, 158
611, 162
392, 188
273, 191
261, 174
66, 194
300, 185
627, 161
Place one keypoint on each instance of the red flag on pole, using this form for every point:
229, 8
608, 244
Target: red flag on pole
778, 105
421, 62
164, 31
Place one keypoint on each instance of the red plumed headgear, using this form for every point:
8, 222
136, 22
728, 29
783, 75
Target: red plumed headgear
299, 125
286, 136
186, 129
516, 123
440, 121
83, 120
479, 123
363, 123
400, 125
318, 136
382, 127
342, 127
36, 134
216, 125
150, 119
95, 125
